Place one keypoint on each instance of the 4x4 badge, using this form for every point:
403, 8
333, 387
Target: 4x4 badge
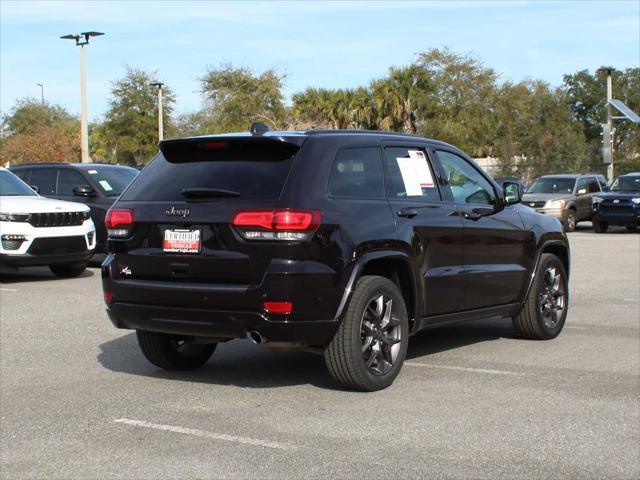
177, 212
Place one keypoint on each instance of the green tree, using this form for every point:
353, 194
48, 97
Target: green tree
34, 132
397, 97
129, 133
459, 105
586, 96
236, 97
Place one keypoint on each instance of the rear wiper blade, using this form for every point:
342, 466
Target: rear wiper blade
208, 193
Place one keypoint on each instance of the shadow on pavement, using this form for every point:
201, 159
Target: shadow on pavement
31, 274
243, 364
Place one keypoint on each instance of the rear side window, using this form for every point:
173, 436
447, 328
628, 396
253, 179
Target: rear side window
409, 174
45, 180
357, 173
247, 169
594, 186
68, 180
22, 174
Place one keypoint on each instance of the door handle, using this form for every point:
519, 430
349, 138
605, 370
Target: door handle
407, 212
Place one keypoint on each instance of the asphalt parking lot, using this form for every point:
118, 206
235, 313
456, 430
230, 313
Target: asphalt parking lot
78, 400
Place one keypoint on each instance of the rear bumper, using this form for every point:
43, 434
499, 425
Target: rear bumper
219, 323
229, 311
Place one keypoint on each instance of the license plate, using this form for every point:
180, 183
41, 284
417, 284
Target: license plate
181, 241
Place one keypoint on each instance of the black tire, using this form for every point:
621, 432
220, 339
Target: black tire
376, 367
599, 226
172, 352
571, 221
68, 270
532, 322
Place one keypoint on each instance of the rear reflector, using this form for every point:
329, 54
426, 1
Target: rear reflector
108, 297
278, 307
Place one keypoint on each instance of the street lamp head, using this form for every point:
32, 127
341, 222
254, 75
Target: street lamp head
157, 84
607, 69
86, 35
91, 34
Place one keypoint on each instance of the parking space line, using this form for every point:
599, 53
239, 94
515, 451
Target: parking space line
631, 300
467, 369
211, 435
8, 290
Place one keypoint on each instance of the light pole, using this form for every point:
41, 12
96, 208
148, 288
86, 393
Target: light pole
160, 127
82, 40
41, 92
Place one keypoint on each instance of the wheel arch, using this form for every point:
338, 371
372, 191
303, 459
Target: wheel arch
394, 265
556, 247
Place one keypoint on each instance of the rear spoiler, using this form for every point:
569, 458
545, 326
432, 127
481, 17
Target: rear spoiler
231, 148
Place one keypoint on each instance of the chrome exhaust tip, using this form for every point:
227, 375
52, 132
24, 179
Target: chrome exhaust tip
255, 337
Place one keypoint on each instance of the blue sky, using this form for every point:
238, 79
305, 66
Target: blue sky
322, 44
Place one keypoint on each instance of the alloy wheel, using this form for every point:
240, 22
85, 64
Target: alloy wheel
380, 334
552, 299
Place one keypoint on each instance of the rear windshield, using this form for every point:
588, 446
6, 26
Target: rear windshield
253, 169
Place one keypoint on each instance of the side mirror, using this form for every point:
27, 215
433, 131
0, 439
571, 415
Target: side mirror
582, 191
35, 188
512, 194
83, 191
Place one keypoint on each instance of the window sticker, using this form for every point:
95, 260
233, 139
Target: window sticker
415, 172
92, 172
106, 185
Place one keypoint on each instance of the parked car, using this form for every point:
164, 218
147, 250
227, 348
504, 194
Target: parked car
37, 231
93, 184
341, 242
621, 206
564, 196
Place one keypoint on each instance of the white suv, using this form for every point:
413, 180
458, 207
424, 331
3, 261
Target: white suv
38, 231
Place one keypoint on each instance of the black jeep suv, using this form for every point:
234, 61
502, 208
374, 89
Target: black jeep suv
341, 242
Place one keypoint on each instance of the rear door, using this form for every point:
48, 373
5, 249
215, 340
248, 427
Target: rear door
428, 225
183, 203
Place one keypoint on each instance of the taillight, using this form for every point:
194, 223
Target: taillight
291, 225
119, 222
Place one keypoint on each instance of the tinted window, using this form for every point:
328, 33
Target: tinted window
409, 174
10, 185
626, 184
254, 169
357, 173
467, 185
583, 184
552, 185
594, 186
22, 175
68, 180
45, 180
